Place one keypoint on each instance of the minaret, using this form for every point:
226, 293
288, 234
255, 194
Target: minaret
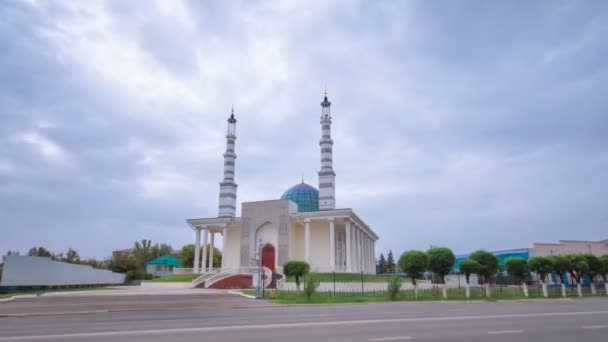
327, 176
227, 206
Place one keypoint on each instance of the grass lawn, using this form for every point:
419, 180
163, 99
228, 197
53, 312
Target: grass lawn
177, 278
347, 278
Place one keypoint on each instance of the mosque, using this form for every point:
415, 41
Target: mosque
303, 224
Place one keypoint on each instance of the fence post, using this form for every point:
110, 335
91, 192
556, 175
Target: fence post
362, 282
334, 283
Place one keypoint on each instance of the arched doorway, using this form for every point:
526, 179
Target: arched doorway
268, 259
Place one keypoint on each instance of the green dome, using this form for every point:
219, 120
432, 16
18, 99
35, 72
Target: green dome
306, 196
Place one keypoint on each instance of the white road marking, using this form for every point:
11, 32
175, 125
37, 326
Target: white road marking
594, 326
293, 325
396, 338
500, 332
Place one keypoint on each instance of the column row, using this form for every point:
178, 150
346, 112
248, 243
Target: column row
202, 267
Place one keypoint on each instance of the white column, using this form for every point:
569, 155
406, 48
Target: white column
205, 237
211, 248
365, 252
374, 254
332, 245
307, 240
224, 242
358, 247
348, 249
197, 251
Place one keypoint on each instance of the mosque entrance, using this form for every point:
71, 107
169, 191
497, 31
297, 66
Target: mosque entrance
268, 259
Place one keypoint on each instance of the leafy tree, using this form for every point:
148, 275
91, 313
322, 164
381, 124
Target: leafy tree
297, 269
391, 267
441, 261
310, 287
72, 256
561, 265
164, 249
517, 268
604, 260
143, 252
414, 263
381, 267
488, 264
468, 267
578, 266
541, 265
39, 252
186, 256
595, 266
122, 264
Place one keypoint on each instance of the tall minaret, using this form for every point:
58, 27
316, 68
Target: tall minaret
227, 206
327, 176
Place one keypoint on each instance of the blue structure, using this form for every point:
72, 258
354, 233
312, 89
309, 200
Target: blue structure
501, 255
306, 196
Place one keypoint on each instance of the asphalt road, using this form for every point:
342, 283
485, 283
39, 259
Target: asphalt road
224, 317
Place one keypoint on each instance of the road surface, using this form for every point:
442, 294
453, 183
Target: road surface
219, 317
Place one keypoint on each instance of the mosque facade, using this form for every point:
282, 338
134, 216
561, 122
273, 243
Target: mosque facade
303, 224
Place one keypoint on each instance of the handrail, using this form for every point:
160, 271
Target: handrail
268, 273
203, 277
227, 272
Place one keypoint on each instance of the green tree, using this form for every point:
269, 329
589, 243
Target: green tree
468, 267
488, 264
441, 260
391, 267
164, 249
561, 265
578, 266
296, 269
186, 256
122, 263
517, 268
414, 263
394, 286
143, 252
39, 252
595, 266
604, 259
72, 256
381, 268
541, 266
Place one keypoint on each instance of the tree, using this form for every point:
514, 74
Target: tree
595, 266
186, 256
122, 264
164, 249
381, 267
468, 267
604, 260
541, 266
143, 252
561, 265
39, 252
488, 264
72, 256
414, 263
517, 268
391, 267
441, 261
578, 266
9, 253
297, 269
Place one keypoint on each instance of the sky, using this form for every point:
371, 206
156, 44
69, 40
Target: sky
466, 124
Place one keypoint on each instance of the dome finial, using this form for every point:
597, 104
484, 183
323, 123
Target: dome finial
302, 177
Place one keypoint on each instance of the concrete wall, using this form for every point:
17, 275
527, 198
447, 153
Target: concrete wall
37, 271
159, 270
233, 247
597, 248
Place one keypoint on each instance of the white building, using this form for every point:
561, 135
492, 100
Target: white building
303, 224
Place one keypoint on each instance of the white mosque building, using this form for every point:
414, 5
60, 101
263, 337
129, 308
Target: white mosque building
303, 224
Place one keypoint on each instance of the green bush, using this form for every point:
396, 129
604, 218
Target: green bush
310, 287
297, 269
394, 286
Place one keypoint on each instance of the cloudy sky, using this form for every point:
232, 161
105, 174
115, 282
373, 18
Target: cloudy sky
468, 124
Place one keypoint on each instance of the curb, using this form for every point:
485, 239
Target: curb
242, 294
18, 296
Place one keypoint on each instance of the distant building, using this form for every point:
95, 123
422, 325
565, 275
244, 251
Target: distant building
123, 252
597, 248
162, 266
